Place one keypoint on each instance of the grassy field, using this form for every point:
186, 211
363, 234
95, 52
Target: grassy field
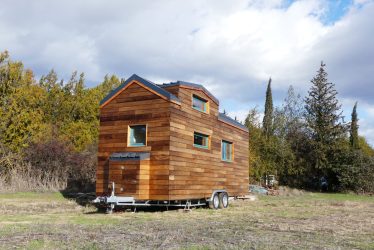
307, 221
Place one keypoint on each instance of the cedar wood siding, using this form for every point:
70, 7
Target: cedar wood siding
196, 172
135, 105
176, 169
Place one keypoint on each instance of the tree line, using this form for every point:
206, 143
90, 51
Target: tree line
49, 133
307, 144
48, 127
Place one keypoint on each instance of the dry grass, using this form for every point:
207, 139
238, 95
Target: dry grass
307, 221
27, 180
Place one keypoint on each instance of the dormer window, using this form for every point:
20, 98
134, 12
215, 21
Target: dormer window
199, 103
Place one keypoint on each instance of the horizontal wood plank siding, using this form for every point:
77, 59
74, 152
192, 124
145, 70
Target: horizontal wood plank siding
196, 172
135, 105
176, 169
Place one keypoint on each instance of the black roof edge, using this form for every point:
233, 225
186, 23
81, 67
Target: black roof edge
228, 119
193, 85
153, 86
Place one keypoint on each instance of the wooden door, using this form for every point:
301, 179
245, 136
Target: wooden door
125, 175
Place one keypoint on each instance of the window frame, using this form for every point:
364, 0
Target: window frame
225, 159
205, 136
205, 101
129, 135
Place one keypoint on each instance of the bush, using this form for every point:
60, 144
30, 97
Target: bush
358, 174
48, 166
57, 158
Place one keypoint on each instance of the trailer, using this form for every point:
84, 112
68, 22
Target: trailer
168, 145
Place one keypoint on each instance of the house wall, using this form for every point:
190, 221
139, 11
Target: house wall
176, 169
196, 172
135, 105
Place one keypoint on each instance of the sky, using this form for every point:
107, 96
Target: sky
232, 47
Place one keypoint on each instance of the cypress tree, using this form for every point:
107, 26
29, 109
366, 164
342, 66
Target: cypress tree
267, 122
354, 129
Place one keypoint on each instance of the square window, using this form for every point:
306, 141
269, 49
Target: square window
137, 135
200, 140
226, 149
199, 103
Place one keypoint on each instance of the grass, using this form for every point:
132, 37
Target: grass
307, 221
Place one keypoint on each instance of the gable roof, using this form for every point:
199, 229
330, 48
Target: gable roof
191, 86
227, 119
146, 84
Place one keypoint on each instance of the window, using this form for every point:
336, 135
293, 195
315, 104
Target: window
200, 140
199, 103
137, 135
226, 149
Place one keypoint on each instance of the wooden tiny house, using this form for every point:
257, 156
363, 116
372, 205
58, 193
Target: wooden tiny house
169, 142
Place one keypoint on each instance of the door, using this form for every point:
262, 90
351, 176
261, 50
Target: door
130, 173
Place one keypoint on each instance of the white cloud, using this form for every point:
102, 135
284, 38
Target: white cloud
233, 47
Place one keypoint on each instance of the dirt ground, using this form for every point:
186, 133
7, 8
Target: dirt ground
302, 221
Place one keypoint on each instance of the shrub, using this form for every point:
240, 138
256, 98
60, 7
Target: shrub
56, 158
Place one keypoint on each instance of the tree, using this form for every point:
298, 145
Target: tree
267, 122
323, 119
354, 140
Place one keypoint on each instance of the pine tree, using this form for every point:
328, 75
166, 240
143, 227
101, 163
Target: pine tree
323, 119
267, 122
354, 129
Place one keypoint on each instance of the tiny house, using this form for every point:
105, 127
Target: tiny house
167, 144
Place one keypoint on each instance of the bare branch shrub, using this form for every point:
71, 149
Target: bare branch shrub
47, 166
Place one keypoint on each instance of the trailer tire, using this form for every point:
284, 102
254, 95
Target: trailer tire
223, 200
214, 202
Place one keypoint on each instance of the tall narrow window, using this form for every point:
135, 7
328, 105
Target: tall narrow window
226, 149
137, 135
199, 103
200, 140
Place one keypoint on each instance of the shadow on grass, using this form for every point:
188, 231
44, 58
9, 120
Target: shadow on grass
82, 199
85, 199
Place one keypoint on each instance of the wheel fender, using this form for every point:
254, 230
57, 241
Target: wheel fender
217, 192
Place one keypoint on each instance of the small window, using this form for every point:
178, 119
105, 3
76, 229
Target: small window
199, 103
137, 135
226, 151
200, 140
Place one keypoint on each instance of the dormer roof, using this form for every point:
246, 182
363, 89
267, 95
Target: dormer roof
191, 85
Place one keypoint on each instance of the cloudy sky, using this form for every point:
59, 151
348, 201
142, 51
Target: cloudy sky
230, 46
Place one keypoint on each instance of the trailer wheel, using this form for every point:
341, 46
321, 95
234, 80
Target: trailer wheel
214, 203
223, 200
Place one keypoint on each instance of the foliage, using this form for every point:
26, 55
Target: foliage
33, 111
323, 120
38, 116
309, 146
268, 154
354, 129
49, 128
357, 173
267, 123
58, 158
365, 147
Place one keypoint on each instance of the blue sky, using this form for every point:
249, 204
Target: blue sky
336, 9
230, 46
